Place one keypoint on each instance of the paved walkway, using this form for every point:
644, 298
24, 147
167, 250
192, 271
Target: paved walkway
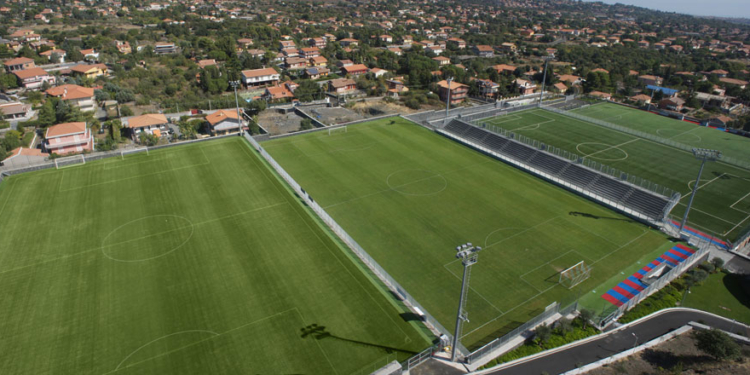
620, 341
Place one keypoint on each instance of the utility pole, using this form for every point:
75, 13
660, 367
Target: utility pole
237, 103
544, 78
468, 255
704, 155
448, 102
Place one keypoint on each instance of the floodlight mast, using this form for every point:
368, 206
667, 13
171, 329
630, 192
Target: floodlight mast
468, 255
704, 155
237, 102
544, 77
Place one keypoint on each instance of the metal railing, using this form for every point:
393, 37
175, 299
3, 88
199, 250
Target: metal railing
396, 288
500, 341
582, 160
638, 133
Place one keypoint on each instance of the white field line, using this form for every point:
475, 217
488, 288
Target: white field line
474, 290
198, 342
701, 186
99, 248
733, 204
546, 264
736, 226
612, 147
705, 213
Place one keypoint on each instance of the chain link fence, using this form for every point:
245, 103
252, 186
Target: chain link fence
396, 288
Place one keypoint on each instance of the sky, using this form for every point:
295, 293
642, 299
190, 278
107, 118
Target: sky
721, 8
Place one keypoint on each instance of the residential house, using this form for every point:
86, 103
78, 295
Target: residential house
720, 121
442, 60
203, 64
223, 122
152, 123
278, 93
244, 43
89, 71
256, 53
436, 49
601, 95
396, 50
309, 52
524, 87
509, 47
293, 63
163, 48
68, 138
60, 53
34, 78
257, 77
341, 85
316, 72
349, 42
355, 69
641, 99
457, 92
484, 50
395, 87
81, 97
386, 39
504, 68
317, 42
650, 80
15, 110
123, 47
559, 88
343, 63
377, 72
286, 44
318, 61
570, 79
672, 104
457, 43
732, 81
487, 88
90, 54
19, 63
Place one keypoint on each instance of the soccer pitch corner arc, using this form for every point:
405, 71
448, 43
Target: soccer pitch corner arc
408, 196
189, 259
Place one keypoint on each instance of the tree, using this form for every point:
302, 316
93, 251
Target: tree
12, 140
717, 262
586, 316
717, 344
306, 124
307, 91
148, 139
125, 111
542, 334
47, 116
255, 107
697, 276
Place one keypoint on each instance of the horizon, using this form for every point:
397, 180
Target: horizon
718, 8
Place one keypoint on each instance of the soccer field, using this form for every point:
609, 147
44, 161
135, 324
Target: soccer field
722, 205
410, 196
194, 259
669, 128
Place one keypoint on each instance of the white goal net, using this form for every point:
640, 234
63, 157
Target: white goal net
70, 161
575, 275
133, 151
340, 129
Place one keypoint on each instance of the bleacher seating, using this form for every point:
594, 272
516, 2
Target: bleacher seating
623, 292
650, 205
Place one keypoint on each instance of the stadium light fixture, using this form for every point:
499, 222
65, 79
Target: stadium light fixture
704, 155
237, 103
544, 77
468, 254
448, 101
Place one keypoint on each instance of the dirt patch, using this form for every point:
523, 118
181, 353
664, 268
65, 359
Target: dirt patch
278, 123
374, 108
676, 356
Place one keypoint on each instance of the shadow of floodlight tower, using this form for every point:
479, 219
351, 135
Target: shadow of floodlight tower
704, 155
468, 255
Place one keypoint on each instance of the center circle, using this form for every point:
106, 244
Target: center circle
147, 238
416, 182
596, 148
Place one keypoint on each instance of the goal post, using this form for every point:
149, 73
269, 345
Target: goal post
70, 161
133, 151
340, 129
575, 275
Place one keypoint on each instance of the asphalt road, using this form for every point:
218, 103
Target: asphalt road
621, 341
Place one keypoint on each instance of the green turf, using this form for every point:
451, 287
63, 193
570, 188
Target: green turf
409, 196
722, 205
721, 294
672, 129
193, 259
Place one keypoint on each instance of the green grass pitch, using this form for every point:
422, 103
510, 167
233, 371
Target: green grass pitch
409, 196
194, 259
722, 205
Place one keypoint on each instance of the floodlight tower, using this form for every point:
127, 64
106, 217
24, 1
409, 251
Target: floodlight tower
544, 77
237, 103
468, 255
704, 155
448, 101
